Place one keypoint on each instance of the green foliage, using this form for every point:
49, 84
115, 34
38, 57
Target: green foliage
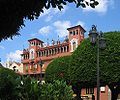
8, 84
58, 69
14, 87
110, 58
29, 89
81, 66
58, 90
14, 12
83, 61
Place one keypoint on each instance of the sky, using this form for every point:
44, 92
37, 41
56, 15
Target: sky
53, 22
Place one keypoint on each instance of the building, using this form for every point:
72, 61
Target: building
37, 52
15, 66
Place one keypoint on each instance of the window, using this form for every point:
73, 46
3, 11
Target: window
34, 43
31, 53
37, 44
73, 32
74, 45
26, 68
77, 32
34, 68
102, 89
89, 90
40, 53
82, 33
14, 68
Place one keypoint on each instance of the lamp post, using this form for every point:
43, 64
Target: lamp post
41, 64
97, 38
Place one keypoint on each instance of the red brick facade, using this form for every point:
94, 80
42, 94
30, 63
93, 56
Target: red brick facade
36, 51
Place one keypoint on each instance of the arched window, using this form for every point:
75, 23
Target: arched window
74, 45
31, 53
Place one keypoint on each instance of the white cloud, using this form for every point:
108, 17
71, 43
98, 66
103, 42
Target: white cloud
102, 7
81, 23
49, 17
2, 47
14, 56
61, 27
49, 13
44, 30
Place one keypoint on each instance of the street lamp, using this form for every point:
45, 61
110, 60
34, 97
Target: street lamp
97, 38
41, 64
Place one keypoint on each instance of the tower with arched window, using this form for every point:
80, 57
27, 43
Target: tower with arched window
76, 35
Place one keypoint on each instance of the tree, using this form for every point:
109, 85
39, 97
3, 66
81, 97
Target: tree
81, 70
58, 69
8, 84
83, 66
14, 12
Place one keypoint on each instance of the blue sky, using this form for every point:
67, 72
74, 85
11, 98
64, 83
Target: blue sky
54, 22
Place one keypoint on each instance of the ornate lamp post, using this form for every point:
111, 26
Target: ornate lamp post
97, 38
41, 64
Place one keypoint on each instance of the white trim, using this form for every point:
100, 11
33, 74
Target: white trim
71, 42
32, 56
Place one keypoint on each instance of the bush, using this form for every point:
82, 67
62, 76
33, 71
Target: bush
8, 84
58, 90
29, 89
15, 87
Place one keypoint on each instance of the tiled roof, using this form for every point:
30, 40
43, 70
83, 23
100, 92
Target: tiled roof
36, 39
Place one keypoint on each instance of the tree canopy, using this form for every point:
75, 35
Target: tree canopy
84, 60
14, 12
58, 69
82, 64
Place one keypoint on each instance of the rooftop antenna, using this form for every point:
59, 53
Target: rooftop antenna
47, 42
58, 42
58, 37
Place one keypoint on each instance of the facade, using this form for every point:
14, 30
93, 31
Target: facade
37, 52
90, 93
